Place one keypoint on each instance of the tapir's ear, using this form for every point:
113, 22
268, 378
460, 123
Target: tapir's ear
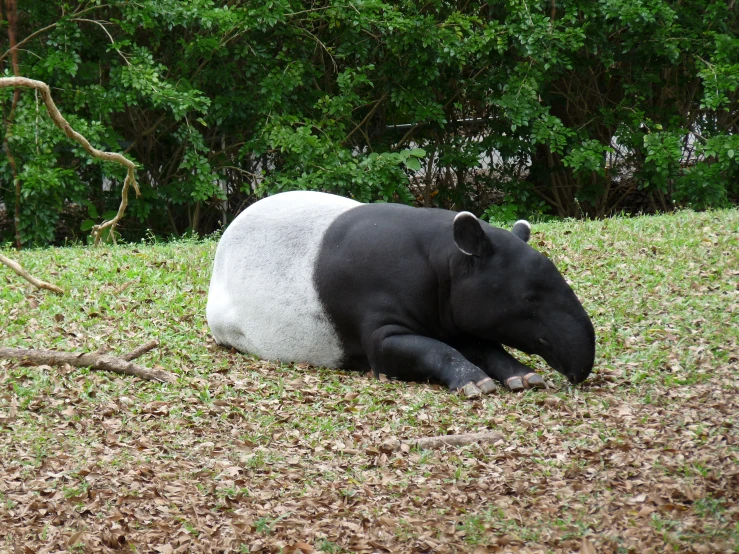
469, 236
522, 229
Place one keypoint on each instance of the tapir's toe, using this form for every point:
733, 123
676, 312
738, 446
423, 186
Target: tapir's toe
534, 381
471, 390
487, 385
515, 383
475, 390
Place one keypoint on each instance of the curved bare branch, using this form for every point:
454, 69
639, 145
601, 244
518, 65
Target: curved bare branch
38, 283
63, 124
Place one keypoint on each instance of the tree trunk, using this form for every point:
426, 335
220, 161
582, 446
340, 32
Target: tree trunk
196, 218
11, 9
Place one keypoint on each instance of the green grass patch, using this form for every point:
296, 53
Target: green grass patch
251, 455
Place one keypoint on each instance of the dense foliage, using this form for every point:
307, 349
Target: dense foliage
507, 107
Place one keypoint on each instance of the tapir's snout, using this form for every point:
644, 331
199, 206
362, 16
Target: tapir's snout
577, 378
574, 375
579, 360
573, 351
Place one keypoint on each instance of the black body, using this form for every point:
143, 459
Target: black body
429, 294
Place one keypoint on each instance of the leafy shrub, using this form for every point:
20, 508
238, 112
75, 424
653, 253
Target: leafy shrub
587, 107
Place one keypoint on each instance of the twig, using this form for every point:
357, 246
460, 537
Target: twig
94, 360
15, 266
365, 119
56, 116
112, 40
141, 350
48, 27
413, 129
124, 286
444, 440
318, 40
16, 180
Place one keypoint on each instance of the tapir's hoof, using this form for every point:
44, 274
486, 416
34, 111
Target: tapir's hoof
471, 390
487, 385
515, 383
534, 381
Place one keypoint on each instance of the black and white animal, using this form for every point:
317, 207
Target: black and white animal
416, 294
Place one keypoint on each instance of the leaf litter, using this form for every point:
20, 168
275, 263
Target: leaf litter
251, 456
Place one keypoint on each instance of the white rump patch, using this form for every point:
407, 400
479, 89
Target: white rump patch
262, 299
523, 222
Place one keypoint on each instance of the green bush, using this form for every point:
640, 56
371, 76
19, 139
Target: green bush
587, 107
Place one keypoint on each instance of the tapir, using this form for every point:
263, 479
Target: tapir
416, 294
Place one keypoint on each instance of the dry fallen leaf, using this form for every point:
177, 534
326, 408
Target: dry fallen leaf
76, 538
386, 521
587, 547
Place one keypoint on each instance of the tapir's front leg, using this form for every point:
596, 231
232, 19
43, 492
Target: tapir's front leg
401, 355
500, 365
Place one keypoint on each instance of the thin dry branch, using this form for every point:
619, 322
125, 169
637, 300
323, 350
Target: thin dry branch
59, 121
141, 350
16, 180
94, 360
38, 283
365, 119
393, 445
102, 26
48, 28
409, 135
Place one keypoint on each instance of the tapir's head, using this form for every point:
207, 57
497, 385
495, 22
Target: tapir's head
504, 290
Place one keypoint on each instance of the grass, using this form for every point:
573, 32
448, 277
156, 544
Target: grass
247, 455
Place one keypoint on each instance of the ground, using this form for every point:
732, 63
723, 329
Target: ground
242, 455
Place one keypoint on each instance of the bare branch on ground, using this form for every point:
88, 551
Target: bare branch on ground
94, 360
38, 283
444, 440
141, 350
